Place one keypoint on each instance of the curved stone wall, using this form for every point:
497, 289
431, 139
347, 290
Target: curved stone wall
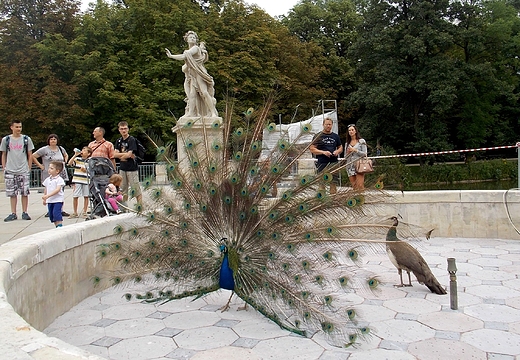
44, 275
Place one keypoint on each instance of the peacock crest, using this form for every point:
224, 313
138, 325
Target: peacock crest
225, 223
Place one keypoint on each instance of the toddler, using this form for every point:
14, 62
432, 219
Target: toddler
53, 194
112, 193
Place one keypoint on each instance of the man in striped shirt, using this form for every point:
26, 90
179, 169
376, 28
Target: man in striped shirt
80, 180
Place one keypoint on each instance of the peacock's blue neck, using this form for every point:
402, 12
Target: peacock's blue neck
226, 280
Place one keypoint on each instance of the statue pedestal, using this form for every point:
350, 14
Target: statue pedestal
190, 129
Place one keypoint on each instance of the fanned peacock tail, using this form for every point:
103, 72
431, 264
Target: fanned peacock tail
293, 257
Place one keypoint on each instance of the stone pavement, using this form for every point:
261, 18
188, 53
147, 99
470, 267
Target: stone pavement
406, 323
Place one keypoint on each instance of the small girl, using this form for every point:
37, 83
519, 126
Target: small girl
112, 193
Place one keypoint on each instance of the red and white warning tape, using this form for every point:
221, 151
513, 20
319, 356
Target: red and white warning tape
446, 152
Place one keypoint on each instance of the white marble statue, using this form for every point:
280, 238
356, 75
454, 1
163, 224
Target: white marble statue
199, 85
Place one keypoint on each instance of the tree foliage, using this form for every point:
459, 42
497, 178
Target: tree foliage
414, 75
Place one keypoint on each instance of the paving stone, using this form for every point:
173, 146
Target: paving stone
79, 335
205, 338
493, 312
493, 341
168, 332
106, 341
381, 354
129, 311
259, 329
283, 348
435, 349
402, 331
134, 328
226, 353
181, 354
411, 306
159, 315
447, 335
191, 320
454, 321
246, 342
227, 323
493, 292
142, 348
104, 322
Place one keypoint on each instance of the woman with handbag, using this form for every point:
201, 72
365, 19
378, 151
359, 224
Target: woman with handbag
356, 150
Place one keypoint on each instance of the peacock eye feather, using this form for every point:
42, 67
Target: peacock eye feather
238, 156
264, 189
306, 264
171, 168
239, 132
188, 124
285, 266
327, 177
305, 295
147, 183
242, 216
156, 194
287, 195
351, 203
212, 169
260, 233
96, 280
215, 125
128, 297
118, 229
177, 183
197, 185
290, 247
151, 216
161, 150
254, 209
138, 278
273, 215
321, 194
308, 236
318, 279
351, 314
353, 254
256, 146
327, 255
168, 210
306, 128
373, 283
328, 299
234, 178
271, 127
276, 169
327, 327
283, 145
244, 192
189, 144
116, 280
183, 225
364, 330
303, 207
343, 280
138, 207
203, 207
227, 200
379, 185
186, 206
276, 236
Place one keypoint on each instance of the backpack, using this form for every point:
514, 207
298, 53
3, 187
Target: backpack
139, 154
141, 150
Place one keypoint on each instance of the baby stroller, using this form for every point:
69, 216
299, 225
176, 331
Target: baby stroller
99, 170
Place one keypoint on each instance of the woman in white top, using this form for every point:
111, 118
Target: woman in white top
356, 148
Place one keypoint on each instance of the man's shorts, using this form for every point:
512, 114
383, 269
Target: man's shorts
130, 179
16, 184
80, 190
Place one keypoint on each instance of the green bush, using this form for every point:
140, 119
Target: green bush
396, 175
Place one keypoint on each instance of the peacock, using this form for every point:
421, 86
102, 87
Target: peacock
294, 255
407, 258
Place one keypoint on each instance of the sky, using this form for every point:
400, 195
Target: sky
272, 7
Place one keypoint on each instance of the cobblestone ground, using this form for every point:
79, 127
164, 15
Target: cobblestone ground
407, 323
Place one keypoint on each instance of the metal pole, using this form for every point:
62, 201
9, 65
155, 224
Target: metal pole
452, 269
518, 153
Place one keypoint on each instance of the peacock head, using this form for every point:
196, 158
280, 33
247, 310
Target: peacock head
223, 246
395, 220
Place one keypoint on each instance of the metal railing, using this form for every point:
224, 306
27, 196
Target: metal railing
146, 170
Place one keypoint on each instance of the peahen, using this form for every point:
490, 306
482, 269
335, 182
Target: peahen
293, 257
405, 257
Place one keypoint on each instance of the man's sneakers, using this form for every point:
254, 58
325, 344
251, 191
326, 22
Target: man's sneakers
11, 217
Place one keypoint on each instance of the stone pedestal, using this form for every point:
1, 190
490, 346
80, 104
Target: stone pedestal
190, 129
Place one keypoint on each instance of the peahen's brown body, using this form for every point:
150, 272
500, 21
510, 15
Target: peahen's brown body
292, 257
407, 258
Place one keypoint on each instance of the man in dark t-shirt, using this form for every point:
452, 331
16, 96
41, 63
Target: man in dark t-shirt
327, 147
125, 151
